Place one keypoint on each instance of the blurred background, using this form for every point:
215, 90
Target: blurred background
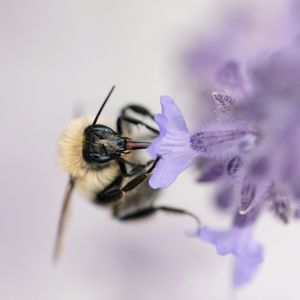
60, 56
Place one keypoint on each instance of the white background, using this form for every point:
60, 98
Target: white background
60, 55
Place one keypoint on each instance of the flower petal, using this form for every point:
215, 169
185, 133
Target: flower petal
243, 272
223, 241
173, 115
236, 241
167, 170
162, 122
172, 145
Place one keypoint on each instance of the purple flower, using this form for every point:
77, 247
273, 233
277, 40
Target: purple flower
236, 241
172, 145
176, 146
239, 242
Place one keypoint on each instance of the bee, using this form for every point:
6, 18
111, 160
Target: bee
102, 164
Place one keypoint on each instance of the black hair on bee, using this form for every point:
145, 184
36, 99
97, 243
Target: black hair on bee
101, 164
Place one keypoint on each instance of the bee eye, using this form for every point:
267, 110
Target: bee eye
121, 143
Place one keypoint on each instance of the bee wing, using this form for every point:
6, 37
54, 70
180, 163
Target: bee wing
63, 219
136, 202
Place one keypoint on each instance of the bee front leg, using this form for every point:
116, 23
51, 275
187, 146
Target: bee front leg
140, 178
114, 192
110, 194
136, 168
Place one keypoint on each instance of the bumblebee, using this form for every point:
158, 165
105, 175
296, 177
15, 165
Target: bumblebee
103, 165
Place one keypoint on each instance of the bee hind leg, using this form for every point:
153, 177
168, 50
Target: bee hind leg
134, 213
175, 210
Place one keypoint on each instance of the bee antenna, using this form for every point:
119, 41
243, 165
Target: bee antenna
103, 104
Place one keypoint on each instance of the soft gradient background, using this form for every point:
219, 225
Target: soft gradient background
58, 56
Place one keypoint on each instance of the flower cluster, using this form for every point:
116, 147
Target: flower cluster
251, 148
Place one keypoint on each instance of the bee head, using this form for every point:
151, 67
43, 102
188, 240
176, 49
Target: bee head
84, 146
102, 144
87, 145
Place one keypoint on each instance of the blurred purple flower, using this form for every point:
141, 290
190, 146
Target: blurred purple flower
250, 145
239, 242
243, 272
236, 241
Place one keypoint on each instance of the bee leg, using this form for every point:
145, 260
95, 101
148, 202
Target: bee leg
137, 109
136, 168
114, 192
134, 121
110, 194
140, 178
176, 210
134, 213
140, 212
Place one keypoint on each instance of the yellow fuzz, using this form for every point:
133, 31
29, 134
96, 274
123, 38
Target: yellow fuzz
70, 148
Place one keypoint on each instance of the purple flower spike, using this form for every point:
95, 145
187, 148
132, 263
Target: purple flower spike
172, 146
254, 134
